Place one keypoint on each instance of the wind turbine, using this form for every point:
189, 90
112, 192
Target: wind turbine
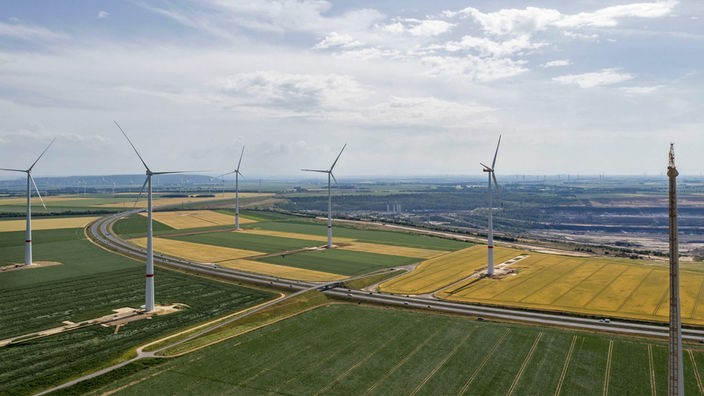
330, 175
149, 294
490, 243
237, 190
28, 229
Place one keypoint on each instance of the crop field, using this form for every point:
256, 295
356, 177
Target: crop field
281, 271
46, 224
163, 201
339, 261
195, 251
352, 351
438, 272
89, 283
598, 286
371, 236
392, 250
196, 219
322, 238
246, 240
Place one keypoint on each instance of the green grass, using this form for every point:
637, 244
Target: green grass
239, 240
90, 282
136, 226
34, 365
361, 283
362, 235
345, 349
344, 262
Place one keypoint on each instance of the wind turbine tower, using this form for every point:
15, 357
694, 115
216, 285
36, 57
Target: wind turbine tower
28, 227
490, 235
675, 383
237, 190
330, 175
149, 294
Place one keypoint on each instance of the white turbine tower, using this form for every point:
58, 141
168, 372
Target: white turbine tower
28, 229
237, 189
149, 294
330, 175
490, 242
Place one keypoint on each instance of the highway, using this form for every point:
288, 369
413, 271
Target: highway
100, 232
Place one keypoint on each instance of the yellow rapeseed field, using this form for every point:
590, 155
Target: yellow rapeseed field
196, 218
392, 250
598, 286
281, 271
196, 251
46, 224
441, 271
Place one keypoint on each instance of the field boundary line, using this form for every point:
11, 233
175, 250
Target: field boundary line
442, 363
665, 296
651, 369
700, 295
322, 362
401, 363
579, 283
525, 363
614, 278
565, 366
635, 289
484, 362
359, 363
696, 372
608, 368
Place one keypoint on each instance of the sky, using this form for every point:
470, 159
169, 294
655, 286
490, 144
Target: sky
413, 87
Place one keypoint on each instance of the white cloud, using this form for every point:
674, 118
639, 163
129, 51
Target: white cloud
534, 19
307, 92
557, 63
640, 90
487, 47
103, 14
430, 27
474, 68
340, 40
23, 31
609, 16
594, 79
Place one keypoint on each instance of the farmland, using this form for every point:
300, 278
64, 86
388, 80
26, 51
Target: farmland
90, 282
595, 286
351, 352
196, 219
441, 271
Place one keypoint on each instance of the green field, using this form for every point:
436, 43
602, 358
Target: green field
345, 349
338, 261
90, 282
239, 240
371, 236
136, 226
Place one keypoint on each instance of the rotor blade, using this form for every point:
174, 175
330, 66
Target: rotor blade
315, 170
493, 163
42, 154
14, 170
37, 189
170, 172
133, 147
238, 164
498, 190
333, 177
140, 192
486, 167
228, 173
241, 175
338, 157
